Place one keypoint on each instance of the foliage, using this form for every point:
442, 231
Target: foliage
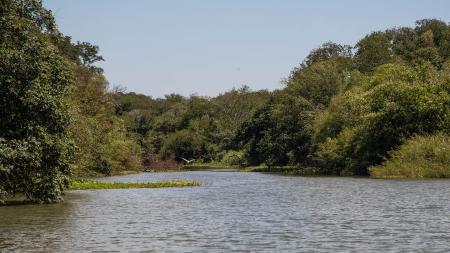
34, 146
52, 93
429, 41
319, 82
419, 157
395, 104
362, 106
372, 51
279, 132
95, 185
215, 120
184, 144
328, 51
234, 158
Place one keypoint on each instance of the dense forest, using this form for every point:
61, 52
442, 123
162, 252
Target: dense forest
344, 111
380, 107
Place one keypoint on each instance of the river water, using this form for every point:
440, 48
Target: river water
238, 212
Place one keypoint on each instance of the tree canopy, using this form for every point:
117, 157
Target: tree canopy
35, 149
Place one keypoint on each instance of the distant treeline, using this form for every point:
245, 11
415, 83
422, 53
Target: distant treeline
346, 110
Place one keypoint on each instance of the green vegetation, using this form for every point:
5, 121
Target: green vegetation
234, 158
95, 185
342, 113
343, 110
419, 157
199, 128
35, 148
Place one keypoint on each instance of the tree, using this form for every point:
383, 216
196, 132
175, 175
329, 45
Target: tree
34, 79
328, 51
279, 132
184, 144
391, 106
372, 51
231, 109
404, 42
88, 55
318, 82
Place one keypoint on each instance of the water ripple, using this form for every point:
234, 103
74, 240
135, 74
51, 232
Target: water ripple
238, 212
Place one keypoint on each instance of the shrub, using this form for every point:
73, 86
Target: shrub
119, 153
234, 158
419, 157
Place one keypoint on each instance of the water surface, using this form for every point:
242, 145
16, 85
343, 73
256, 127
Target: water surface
238, 212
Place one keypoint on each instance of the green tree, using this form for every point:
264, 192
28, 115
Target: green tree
184, 144
231, 109
319, 82
372, 51
279, 132
34, 79
328, 51
394, 104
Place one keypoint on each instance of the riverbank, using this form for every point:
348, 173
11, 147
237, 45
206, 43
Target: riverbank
307, 171
288, 170
208, 166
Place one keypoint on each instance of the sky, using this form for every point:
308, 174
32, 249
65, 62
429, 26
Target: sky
206, 47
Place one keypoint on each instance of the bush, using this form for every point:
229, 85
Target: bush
419, 157
119, 153
234, 158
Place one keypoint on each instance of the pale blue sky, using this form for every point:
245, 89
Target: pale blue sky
209, 46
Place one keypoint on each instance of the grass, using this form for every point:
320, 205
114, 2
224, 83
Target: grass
95, 185
419, 157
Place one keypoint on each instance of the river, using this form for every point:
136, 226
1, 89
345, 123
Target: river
238, 212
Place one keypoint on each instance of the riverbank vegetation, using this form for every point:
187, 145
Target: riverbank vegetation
96, 185
419, 157
343, 110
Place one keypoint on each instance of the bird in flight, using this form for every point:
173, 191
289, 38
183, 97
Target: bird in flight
187, 161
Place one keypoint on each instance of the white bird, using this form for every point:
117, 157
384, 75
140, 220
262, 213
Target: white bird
187, 161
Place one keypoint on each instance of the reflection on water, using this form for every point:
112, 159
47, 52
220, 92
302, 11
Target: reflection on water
26, 226
241, 212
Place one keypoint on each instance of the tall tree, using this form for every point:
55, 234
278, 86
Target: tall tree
34, 80
372, 51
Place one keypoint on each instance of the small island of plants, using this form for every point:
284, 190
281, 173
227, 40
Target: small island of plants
96, 185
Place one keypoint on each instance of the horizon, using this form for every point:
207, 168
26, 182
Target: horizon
202, 48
